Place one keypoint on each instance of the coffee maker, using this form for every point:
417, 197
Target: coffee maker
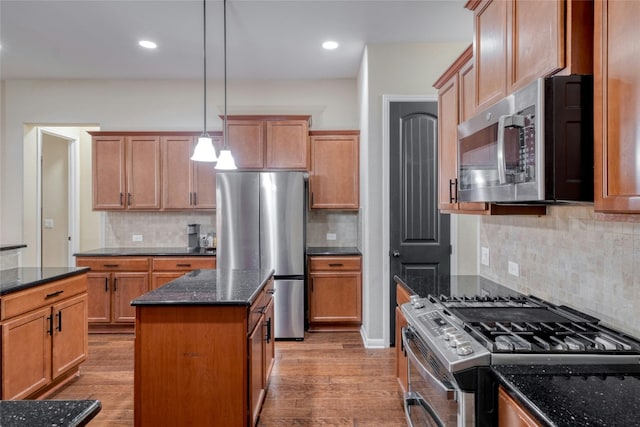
193, 237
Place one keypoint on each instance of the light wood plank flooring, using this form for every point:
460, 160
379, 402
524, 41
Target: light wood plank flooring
329, 379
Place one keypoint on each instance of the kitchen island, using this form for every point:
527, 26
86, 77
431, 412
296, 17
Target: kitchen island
204, 349
69, 413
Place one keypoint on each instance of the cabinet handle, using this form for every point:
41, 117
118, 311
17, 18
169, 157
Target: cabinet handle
268, 325
183, 265
450, 192
456, 189
121, 196
106, 284
129, 199
59, 316
53, 294
190, 198
337, 264
50, 320
271, 291
115, 285
111, 265
195, 198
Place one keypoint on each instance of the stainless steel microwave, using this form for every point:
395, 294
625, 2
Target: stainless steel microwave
536, 145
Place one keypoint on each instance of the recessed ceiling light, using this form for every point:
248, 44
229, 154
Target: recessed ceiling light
147, 44
330, 45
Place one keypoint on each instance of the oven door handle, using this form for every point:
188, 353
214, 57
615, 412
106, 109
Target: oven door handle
408, 338
414, 399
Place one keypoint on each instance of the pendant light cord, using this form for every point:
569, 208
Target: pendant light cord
225, 133
204, 51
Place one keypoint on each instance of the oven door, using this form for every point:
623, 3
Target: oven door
432, 396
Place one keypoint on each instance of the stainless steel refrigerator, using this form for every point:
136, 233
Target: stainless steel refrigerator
260, 223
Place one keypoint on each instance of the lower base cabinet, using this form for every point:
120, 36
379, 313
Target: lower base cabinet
44, 337
402, 297
203, 365
512, 414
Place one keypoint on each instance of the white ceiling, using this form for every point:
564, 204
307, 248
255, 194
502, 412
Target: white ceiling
265, 38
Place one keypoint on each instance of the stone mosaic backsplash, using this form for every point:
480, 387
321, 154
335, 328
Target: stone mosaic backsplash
568, 257
10, 259
166, 229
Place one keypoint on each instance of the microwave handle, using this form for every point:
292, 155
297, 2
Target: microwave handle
502, 162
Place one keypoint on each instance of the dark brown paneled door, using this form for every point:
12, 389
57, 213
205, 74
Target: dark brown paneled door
419, 235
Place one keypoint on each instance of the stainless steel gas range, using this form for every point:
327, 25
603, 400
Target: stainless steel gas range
452, 342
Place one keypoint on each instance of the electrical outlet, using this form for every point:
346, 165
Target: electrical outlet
514, 268
331, 236
48, 223
484, 256
137, 238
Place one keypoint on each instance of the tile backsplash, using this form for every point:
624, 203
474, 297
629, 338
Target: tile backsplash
568, 257
166, 229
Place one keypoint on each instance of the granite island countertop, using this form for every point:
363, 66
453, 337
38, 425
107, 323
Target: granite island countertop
209, 287
135, 251
452, 285
47, 413
576, 395
17, 279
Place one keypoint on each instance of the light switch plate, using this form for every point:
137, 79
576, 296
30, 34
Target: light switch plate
48, 223
331, 236
137, 238
514, 268
484, 256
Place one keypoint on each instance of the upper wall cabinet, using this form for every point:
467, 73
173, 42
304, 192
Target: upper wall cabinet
126, 172
269, 142
334, 179
518, 41
616, 99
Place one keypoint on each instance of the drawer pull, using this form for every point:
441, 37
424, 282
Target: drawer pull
59, 316
271, 291
262, 309
106, 284
111, 265
183, 265
53, 295
50, 321
337, 264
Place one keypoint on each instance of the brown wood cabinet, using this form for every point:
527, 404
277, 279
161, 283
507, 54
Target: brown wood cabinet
616, 79
334, 178
166, 269
402, 297
126, 172
186, 184
44, 337
269, 142
225, 355
335, 293
112, 283
511, 413
518, 41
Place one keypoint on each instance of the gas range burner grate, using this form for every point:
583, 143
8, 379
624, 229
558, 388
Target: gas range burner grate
556, 337
484, 301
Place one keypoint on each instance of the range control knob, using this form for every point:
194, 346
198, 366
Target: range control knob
446, 332
455, 338
416, 301
464, 348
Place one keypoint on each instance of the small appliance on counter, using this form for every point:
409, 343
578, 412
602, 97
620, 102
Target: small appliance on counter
193, 237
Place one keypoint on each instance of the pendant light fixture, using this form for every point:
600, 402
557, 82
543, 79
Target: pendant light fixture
204, 151
225, 161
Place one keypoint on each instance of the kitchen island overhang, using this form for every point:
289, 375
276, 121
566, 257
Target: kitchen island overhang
204, 349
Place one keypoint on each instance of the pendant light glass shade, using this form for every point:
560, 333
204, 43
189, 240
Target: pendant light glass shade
225, 161
204, 151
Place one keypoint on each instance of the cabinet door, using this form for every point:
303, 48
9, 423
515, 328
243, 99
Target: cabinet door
70, 334
490, 51
246, 141
26, 354
448, 110
127, 287
401, 355
256, 374
616, 99
108, 166
269, 341
466, 91
335, 297
512, 414
176, 172
287, 144
99, 302
143, 172
204, 181
535, 52
335, 172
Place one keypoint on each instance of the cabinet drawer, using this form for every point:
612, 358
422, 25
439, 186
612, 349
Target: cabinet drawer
342, 263
114, 263
183, 263
256, 311
39, 296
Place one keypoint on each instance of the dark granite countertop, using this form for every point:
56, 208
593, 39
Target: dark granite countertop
17, 279
47, 413
453, 285
332, 250
576, 395
209, 287
9, 247
146, 252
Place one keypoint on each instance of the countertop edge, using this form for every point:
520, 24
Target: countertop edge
45, 280
333, 251
522, 398
10, 247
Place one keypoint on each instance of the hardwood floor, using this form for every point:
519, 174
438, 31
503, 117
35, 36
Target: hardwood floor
329, 379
